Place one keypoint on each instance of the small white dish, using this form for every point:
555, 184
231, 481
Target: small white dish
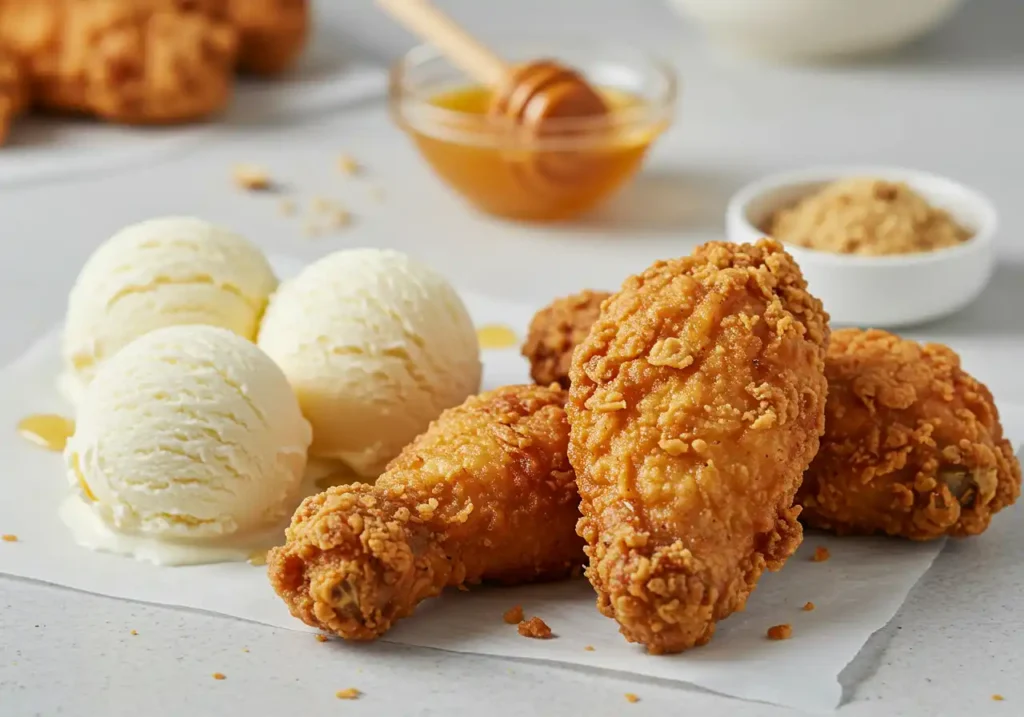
800, 30
880, 291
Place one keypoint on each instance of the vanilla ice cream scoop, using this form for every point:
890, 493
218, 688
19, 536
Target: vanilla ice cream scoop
162, 272
375, 345
189, 434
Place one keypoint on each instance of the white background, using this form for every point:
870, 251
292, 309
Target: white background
953, 104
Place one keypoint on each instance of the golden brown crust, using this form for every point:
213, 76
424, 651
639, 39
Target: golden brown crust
487, 493
912, 446
13, 91
554, 333
272, 33
696, 404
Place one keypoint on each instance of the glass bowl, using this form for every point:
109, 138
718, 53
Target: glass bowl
503, 168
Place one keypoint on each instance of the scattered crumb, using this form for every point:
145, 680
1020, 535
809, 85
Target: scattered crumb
998, 698
463, 588
251, 178
348, 164
219, 676
287, 207
245, 649
514, 616
348, 694
134, 632
630, 697
808, 606
535, 628
321, 638
589, 648
8, 538
821, 554
780, 632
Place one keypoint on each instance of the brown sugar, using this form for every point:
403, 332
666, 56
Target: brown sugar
869, 217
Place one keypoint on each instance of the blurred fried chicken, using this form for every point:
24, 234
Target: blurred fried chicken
13, 91
272, 33
696, 404
486, 493
912, 445
556, 330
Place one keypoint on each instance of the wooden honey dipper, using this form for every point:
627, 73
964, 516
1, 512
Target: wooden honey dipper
533, 95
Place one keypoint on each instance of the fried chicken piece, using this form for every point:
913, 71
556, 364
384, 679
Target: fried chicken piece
13, 91
556, 330
487, 493
912, 447
140, 62
272, 33
697, 402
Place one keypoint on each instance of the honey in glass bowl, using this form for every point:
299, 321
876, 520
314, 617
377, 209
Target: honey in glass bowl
504, 169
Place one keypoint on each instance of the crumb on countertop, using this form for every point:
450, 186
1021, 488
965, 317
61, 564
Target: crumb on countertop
347, 164
780, 632
821, 554
998, 698
463, 588
535, 628
251, 178
808, 606
349, 693
245, 649
321, 638
219, 676
134, 633
514, 615
630, 697
10, 538
589, 648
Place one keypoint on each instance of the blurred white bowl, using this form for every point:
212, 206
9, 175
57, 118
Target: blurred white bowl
815, 29
880, 291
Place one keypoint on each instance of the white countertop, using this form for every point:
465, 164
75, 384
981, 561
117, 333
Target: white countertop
952, 105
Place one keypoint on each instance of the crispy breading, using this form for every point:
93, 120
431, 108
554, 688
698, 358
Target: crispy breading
912, 446
13, 91
697, 401
487, 493
554, 333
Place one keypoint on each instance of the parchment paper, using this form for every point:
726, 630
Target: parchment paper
855, 593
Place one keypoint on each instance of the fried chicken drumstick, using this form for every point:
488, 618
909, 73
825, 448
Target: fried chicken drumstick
554, 333
487, 493
697, 402
912, 447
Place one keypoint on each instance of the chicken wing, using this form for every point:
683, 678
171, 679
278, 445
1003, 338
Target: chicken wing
696, 404
912, 446
487, 493
554, 333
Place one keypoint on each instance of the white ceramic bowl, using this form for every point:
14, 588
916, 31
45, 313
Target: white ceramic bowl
880, 291
815, 29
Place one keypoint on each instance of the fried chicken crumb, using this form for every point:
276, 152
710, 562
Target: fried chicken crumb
10, 538
348, 165
321, 638
350, 693
808, 606
513, 616
632, 698
535, 628
998, 698
780, 632
463, 588
133, 633
219, 676
821, 554
245, 649
251, 178
589, 648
